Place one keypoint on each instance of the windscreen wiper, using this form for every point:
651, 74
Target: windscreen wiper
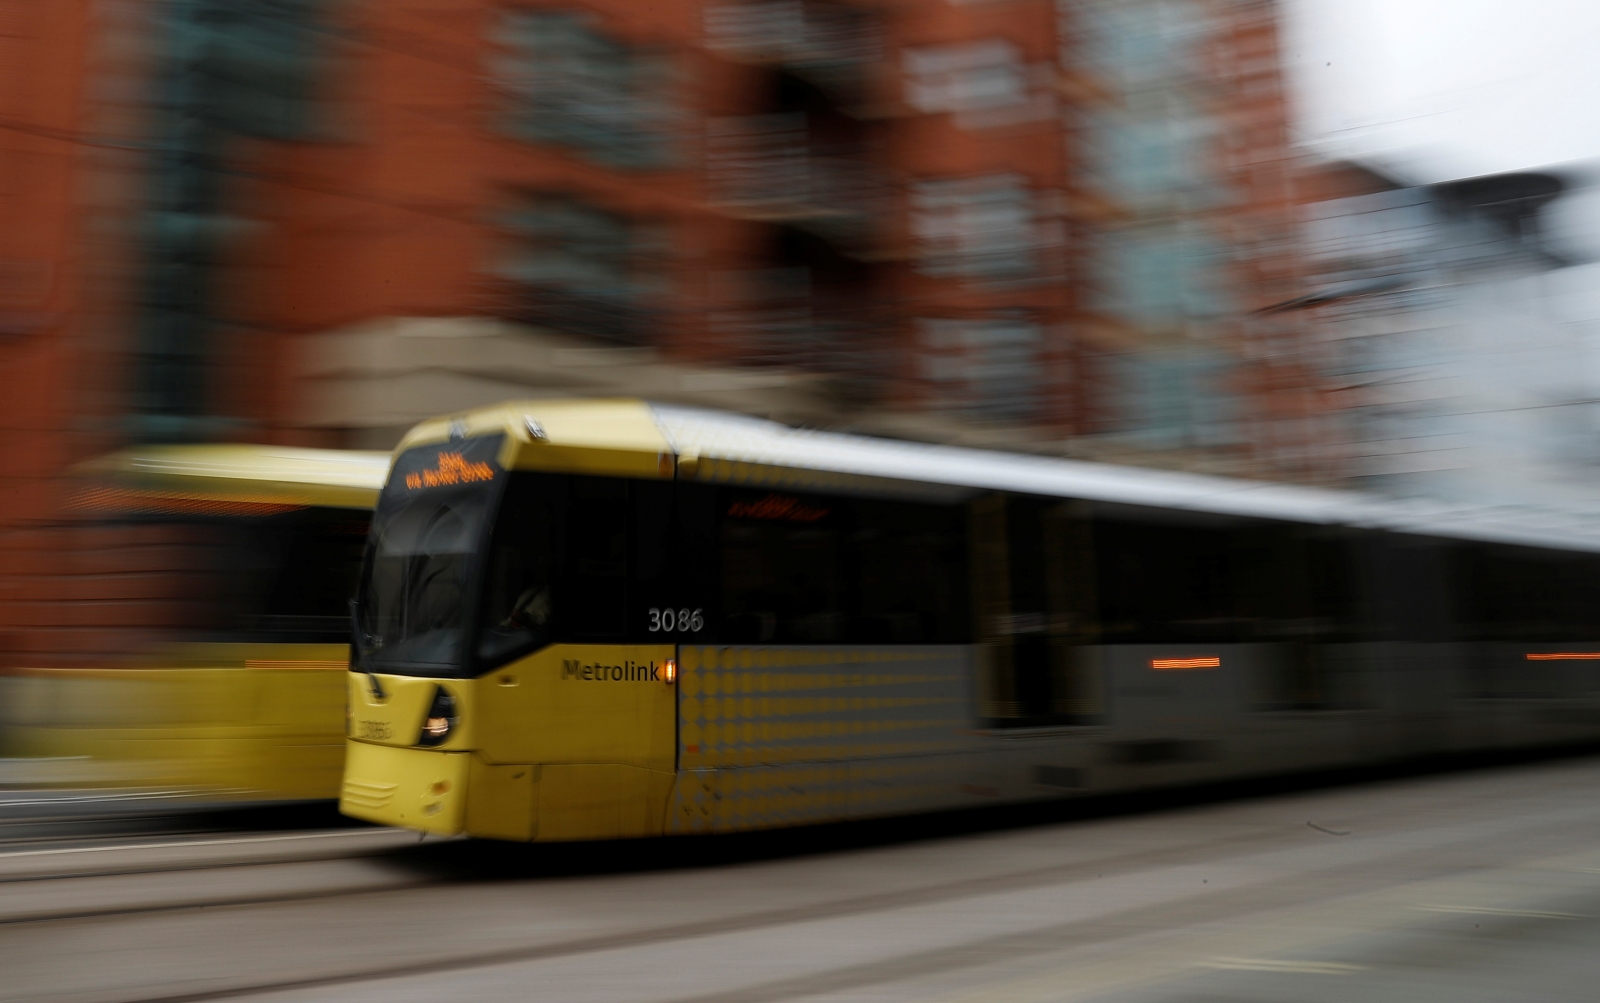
358, 650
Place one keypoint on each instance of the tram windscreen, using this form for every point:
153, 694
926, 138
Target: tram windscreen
427, 531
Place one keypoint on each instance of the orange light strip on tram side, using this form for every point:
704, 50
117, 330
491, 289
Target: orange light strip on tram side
315, 664
1563, 656
175, 503
1185, 664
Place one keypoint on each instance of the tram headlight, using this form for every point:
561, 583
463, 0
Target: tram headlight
441, 719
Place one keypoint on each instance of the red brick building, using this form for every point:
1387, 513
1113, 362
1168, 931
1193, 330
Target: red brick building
1051, 225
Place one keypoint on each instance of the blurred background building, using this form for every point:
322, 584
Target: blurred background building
1066, 226
1458, 379
1043, 225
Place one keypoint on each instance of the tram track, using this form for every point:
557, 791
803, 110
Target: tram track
378, 842
926, 894
25, 865
211, 852
33, 818
1345, 874
23, 833
1423, 864
146, 909
197, 874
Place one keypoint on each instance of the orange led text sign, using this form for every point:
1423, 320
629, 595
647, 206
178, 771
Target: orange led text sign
453, 468
778, 507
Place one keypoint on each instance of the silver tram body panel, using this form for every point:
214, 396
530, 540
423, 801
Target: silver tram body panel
898, 729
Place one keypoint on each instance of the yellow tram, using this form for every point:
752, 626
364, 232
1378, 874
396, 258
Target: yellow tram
246, 701
604, 619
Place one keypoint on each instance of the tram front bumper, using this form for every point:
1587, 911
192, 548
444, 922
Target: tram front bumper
410, 788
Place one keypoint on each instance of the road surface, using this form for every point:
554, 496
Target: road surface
1459, 886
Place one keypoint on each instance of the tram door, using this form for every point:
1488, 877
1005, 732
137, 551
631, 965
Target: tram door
1037, 616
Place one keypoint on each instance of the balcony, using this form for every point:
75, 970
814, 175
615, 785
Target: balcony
763, 168
822, 39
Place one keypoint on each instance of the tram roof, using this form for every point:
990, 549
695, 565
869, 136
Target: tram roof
632, 438
246, 473
742, 439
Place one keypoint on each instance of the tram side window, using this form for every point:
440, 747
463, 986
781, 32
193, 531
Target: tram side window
1192, 579
597, 557
519, 602
814, 570
1526, 594
1334, 601
780, 560
289, 577
1164, 582
1410, 587
910, 574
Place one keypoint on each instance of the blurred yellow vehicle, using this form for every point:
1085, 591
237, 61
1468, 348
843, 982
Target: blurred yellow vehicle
246, 701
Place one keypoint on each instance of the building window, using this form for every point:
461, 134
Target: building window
1156, 43
966, 77
575, 267
1175, 399
1154, 150
817, 37
987, 368
568, 85
975, 228
982, 83
1160, 280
